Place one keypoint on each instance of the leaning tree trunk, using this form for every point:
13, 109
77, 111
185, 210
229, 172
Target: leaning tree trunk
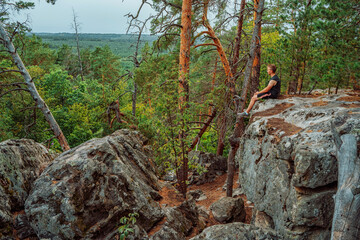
239, 125
40, 103
184, 60
346, 224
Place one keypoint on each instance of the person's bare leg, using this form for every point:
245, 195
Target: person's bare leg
251, 104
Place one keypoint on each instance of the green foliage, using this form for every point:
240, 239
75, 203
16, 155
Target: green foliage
127, 225
318, 42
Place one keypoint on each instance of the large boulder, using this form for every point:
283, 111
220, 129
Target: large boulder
85, 191
228, 209
287, 161
180, 221
21, 162
235, 231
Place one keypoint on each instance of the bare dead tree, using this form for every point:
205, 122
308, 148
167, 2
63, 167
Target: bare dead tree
140, 26
114, 107
76, 27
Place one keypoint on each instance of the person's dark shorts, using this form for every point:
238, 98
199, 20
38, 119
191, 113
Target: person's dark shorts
267, 97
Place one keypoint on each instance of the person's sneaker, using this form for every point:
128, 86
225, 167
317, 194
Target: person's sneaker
243, 114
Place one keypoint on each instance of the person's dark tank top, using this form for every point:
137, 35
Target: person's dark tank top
275, 90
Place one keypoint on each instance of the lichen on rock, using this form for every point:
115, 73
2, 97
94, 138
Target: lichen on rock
86, 190
288, 167
21, 162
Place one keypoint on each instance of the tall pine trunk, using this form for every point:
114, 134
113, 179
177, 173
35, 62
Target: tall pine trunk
184, 60
256, 64
40, 103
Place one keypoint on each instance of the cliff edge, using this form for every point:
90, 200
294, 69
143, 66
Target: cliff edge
287, 161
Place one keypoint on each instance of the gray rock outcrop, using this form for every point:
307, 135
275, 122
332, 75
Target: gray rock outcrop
235, 231
287, 161
228, 209
21, 162
85, 191
180, 221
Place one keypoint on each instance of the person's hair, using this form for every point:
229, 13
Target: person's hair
272, 67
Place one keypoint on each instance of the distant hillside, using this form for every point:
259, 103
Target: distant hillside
122, 45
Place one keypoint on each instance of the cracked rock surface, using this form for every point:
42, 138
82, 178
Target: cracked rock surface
21, 162
85, 191
287, 162
237, 230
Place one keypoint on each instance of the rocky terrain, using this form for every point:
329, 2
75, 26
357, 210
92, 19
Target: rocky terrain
288, 167
21, 162
287, 170
84, 192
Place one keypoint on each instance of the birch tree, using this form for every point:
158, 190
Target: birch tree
6, 40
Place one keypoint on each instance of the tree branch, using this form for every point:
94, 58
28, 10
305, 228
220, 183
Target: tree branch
12, 90
202, 130
206, 44
171, 4
7, 71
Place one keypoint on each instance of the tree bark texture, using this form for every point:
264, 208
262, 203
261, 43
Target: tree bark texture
184, 61
256, 64
239, 125
346, 224
213, 82
222, 133
238, 41
134, 95
40, 103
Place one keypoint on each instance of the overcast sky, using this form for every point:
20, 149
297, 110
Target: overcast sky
105, 16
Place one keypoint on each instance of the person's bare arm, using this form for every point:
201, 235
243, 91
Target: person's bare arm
271, 84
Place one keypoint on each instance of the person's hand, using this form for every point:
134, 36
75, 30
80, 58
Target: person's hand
257, 93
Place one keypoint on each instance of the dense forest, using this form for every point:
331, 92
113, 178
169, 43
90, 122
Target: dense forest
179, 103
122, 45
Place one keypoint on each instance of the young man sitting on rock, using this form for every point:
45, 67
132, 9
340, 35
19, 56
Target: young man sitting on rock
271, 91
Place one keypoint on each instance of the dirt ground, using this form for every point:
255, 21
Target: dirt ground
213, 191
